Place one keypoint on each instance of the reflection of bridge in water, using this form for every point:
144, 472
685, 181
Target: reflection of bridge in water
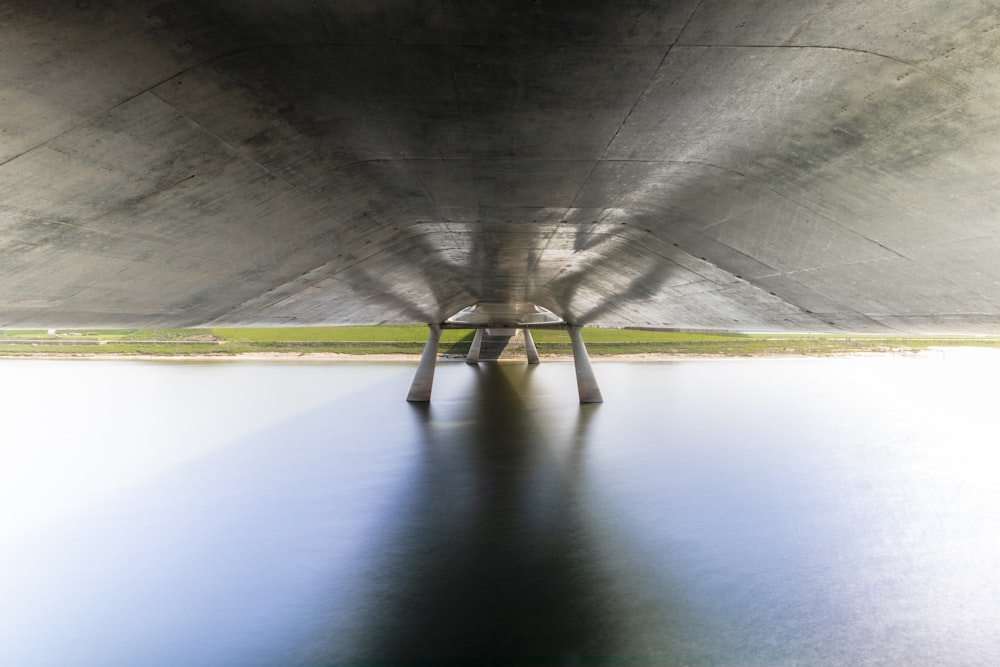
492, 553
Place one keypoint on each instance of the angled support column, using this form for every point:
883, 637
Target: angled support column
420, 390
586, 383
529, 347
477, 343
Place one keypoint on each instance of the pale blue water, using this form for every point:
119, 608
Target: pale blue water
760, 512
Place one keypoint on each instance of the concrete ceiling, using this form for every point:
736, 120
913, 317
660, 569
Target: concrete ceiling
733, 164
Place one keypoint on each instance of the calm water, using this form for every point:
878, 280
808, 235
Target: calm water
762, 512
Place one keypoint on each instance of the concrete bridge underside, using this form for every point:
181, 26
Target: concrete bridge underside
730, 164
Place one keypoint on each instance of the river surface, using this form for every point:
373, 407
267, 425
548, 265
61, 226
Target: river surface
737, 512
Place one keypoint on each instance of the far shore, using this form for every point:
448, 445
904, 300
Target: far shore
404, 344
333, 357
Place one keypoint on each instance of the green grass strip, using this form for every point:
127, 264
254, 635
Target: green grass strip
374, 340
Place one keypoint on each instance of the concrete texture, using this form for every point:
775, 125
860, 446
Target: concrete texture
730, 164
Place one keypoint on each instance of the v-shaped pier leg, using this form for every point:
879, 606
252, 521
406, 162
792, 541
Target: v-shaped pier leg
420, 390
586, 382
529, 347
477, 344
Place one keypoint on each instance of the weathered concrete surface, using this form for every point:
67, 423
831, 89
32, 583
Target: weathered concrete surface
735, 164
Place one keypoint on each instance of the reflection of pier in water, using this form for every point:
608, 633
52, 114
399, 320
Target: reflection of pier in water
497, 551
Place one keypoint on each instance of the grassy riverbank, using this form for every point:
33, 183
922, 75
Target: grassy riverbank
376, 340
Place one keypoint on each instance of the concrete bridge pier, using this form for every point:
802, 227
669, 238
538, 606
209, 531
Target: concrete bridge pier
423, 381
529, 347
586, 381
477, 344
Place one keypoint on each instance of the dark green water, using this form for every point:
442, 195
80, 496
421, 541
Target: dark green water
763, 512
